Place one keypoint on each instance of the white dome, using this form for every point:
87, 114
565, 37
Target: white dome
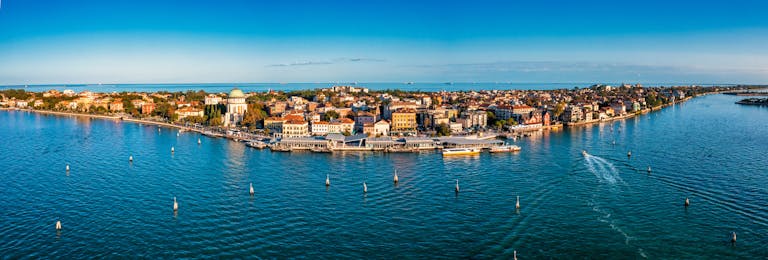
236, 93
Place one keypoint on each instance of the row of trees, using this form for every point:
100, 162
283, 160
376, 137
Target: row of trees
254, 116
499, 123
18, 94
213, 113
654, 100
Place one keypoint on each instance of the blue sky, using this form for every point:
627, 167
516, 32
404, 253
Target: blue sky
142, 41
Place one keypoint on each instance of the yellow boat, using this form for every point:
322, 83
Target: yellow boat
460, 151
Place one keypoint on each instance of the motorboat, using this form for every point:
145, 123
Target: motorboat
505, 149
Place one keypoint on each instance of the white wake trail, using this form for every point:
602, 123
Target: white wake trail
604, 170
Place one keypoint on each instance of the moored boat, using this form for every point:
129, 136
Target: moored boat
320, 150
211, 133
505, 149
256, 144
279, 148
460, 151
401, 150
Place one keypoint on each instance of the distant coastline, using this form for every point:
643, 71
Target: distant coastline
263, 87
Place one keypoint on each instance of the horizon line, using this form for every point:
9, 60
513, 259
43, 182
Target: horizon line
361, 83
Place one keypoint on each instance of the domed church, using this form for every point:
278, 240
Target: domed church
236, 107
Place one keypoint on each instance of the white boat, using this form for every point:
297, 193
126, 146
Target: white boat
256, 144
460, 151
211, 133
505, 149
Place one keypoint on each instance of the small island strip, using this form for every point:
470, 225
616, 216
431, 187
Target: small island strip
353, 118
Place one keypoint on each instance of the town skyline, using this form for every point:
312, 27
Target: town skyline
56, 42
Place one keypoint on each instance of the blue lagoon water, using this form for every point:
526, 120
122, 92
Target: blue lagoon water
263, 87
600, 206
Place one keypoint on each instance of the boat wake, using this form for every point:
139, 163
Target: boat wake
605, 217
604, 170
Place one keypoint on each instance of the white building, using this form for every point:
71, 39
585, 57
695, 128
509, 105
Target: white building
342, 125
474, 119
212, 99
295, 128
381, 128
320, 128
236, 108
22, 103
456, 127
189, 111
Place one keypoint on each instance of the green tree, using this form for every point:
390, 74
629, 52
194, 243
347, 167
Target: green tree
499, 124
165, 110
195, 119
129, 108
559, 109
199, 96
19, 94
652, 100
443, 130
327, 116
254, 116
100, 110
491, 117
306, 94
215, 121
213, 114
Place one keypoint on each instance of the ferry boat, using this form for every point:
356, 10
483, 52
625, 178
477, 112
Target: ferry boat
505, 149
461, 151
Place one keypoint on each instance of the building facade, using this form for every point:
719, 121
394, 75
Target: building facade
404, 121
295, 128
236, 108
381, 128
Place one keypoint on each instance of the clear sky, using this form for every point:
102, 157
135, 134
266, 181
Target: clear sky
155, 41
